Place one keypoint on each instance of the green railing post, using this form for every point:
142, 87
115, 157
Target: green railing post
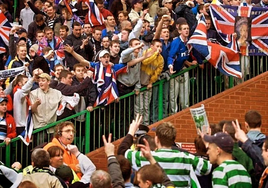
231, 81
160, 99
15, 8
87, 133
8, 155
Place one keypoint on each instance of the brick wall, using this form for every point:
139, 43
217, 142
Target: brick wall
228, 105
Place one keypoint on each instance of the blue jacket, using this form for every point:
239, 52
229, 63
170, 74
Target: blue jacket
104, 33
165, 53
178, 54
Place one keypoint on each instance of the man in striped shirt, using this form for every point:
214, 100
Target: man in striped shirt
229, 173
181, 168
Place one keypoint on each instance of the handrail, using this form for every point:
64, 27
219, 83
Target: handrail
200, 90
88, 114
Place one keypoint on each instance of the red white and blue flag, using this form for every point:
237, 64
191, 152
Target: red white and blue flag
105, 79
225, 59
224, 16
5, 28
95, 17
58, 47
26, 135
2, 46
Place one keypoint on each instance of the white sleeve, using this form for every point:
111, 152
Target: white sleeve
87, 168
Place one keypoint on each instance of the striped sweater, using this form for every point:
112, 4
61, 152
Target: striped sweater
180, 167
231, 174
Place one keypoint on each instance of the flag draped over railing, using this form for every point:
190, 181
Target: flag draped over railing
105, 80
225, 59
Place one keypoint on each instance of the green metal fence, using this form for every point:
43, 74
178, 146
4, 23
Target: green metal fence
115, 118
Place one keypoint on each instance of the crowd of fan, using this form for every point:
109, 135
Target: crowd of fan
70, 66
225, 157
83, 66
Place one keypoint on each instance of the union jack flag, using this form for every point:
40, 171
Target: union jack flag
5, 28
26, 135
226, 59
95, 17
105, 79
223, 18
58, 47
2, 46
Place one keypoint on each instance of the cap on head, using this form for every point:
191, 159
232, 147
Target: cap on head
2, 99
34, 48
166, 1
45, 75
103, 52
222, 140
143, 129
22, 38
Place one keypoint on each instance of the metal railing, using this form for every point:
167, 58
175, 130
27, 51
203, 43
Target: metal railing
116, 117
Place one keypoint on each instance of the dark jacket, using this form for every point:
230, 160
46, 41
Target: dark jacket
40, 62
76, 43
90, 93
96, 46
17, 62
8, 16
118, 6
68, 90
186, 12
32, 28
115, 173
255, 153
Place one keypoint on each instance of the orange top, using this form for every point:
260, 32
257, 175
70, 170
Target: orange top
68, 158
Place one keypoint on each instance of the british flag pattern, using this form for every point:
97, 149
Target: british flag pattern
223, 18
224, 58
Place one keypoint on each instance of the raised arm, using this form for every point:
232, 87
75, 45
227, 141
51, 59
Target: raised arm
77, 56
128, 140
146, 152
113, 165
149, 54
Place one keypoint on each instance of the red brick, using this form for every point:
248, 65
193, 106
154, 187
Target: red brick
230, 104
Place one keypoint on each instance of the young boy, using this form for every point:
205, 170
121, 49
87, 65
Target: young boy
177, 59
7, 123
88, 95
151, 69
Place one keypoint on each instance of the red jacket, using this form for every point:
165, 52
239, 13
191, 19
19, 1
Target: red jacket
11, 126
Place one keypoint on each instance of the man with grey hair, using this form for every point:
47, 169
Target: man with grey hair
100, 179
